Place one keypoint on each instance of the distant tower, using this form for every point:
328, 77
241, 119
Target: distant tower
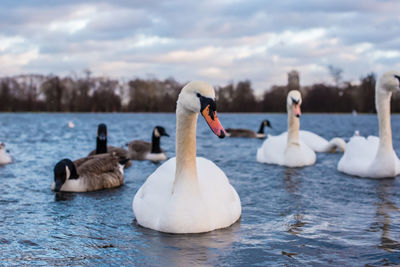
293, 80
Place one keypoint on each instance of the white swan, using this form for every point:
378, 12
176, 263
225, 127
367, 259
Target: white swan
296, 148
287, 148
188, 194
5, 158
374, 157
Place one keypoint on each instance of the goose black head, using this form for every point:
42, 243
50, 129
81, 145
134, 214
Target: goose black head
64, 170
101, 140
102, 132
262, 125
267, 123
160, 131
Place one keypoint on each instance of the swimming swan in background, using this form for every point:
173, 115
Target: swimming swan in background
101, 145
5, 158
142, 150
288, 149
249, 133
189, 194
374, 157
71, 124
88, 174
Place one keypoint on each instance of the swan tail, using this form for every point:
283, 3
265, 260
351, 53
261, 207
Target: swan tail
336, 145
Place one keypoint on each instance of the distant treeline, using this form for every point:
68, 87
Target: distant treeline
98, 94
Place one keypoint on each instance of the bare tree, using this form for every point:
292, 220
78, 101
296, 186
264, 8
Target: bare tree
336, 74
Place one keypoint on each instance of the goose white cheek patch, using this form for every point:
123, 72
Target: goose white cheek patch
67, 172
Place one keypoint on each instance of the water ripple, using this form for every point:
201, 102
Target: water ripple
307, 216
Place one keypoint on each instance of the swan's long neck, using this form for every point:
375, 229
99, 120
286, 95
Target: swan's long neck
382, 102
185, 145
293, 128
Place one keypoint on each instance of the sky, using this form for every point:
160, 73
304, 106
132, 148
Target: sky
218, 41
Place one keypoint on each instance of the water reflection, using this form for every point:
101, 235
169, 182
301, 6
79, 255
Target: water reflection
383, 210
64, 196
188, 249
293, 187
292, 181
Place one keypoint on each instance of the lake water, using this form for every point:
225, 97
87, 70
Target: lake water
305, 216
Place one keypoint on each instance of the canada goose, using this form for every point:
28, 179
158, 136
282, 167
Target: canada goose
88, 174
374, 156
249, 133
142, 150
101, 145
295, 148
5, 158
189, 194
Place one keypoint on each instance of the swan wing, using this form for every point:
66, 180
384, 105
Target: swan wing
320, 144
207, 204
5, 158
358, 156
221, 199
152, 197
273, 149
299, 155
314, 141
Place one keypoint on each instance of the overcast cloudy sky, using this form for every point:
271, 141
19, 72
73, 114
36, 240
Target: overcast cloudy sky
214, 40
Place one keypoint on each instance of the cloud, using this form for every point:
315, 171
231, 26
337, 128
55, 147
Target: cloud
218, 41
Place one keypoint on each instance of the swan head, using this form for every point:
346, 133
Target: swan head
2, 146
389, 81
64, 170
293, 102
199, 97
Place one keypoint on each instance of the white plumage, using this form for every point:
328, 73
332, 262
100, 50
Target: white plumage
189, 194
195, 206
5, 158
296, 148
374, 157
288, 149
320, 144
275, 150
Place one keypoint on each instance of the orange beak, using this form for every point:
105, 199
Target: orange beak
214, 123
297, 111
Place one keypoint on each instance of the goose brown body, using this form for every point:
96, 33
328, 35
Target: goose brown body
93, 173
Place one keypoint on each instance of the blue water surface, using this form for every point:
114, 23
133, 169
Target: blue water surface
308, 216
